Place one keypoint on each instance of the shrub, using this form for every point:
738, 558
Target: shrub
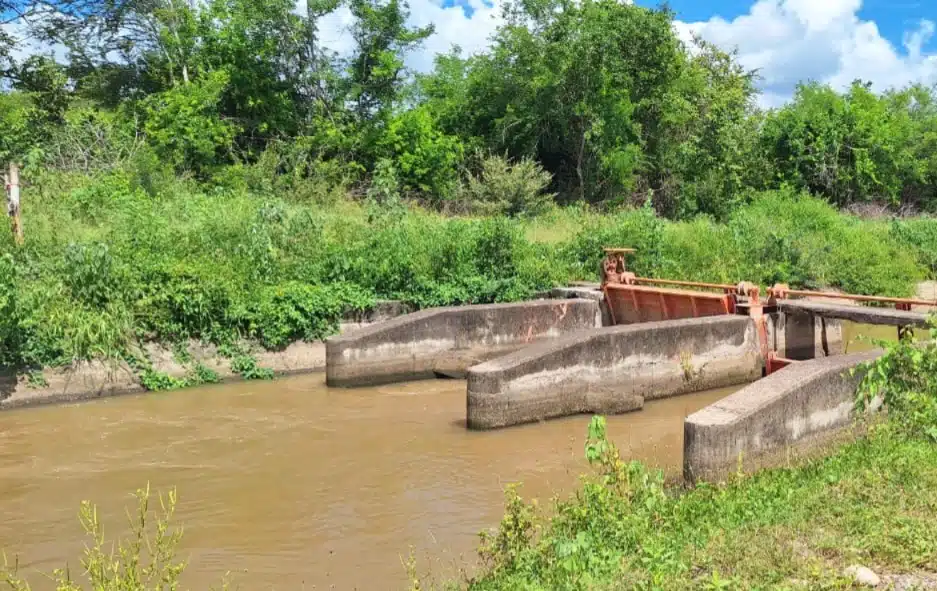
90, 275
904, 379
426, 159
297, 311
10, 334
502, 187
920, 235
184, 124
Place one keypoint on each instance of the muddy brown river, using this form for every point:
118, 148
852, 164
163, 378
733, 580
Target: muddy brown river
291, 485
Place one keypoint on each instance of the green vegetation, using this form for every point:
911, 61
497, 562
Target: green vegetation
796, 528
108, 267
601, 95
210, 171
144, 560
869, 503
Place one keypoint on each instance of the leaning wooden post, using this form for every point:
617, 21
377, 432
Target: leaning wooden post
13, 201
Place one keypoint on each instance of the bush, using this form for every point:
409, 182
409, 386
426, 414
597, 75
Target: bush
904, 380
295, 311
920, 235
426, 159
185, 127
505, 188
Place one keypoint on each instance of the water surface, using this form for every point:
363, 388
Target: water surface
291, 485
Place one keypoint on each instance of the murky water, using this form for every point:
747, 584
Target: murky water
859, 337
293, 485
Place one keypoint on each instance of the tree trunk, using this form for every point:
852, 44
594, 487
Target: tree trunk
13, 201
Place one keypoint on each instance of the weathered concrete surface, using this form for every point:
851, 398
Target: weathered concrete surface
797, 405
802, 336
99, 379
612, 370
587, 292
859, 314
446, 340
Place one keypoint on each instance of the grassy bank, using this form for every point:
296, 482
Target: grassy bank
871, 503
110, 262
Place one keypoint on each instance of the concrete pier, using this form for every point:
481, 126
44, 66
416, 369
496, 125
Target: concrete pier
612, 370
445, 341
801, 405
800, 335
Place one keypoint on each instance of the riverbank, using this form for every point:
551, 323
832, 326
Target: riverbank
108, 270
176, 366
869, 504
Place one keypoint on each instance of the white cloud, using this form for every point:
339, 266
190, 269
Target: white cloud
453, 27
826, 41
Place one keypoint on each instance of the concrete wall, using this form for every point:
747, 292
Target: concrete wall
448, 340
612, 370
796, 406
802, 336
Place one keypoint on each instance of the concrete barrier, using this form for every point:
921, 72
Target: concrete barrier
802, 336
798, 406
449, 340
612, 370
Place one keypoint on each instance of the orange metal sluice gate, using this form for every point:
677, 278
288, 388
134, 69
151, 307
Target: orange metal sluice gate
630, 299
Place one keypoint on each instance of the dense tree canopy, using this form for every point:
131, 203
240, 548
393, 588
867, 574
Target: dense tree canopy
601, 95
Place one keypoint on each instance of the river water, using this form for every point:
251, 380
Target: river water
289, 484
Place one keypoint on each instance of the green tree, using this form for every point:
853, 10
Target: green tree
604, 96
376, 73
852, 147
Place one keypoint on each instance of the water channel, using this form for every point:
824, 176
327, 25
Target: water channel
289, 484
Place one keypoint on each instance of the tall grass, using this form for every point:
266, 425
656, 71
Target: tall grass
110, 261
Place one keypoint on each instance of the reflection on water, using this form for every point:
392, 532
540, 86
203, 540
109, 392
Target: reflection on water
294, 484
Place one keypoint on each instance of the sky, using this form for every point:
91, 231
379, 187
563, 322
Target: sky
889, 43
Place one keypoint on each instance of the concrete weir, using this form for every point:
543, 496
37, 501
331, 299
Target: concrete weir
612, 370
446, 341
799, 406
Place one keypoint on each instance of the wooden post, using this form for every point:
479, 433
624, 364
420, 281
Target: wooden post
13, 201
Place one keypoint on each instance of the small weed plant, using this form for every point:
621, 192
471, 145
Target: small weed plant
145, 560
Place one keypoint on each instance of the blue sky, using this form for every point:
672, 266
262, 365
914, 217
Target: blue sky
893, 17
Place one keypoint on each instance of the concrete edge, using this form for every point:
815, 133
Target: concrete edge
392, 324
591, 372
517, 360
788, 413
